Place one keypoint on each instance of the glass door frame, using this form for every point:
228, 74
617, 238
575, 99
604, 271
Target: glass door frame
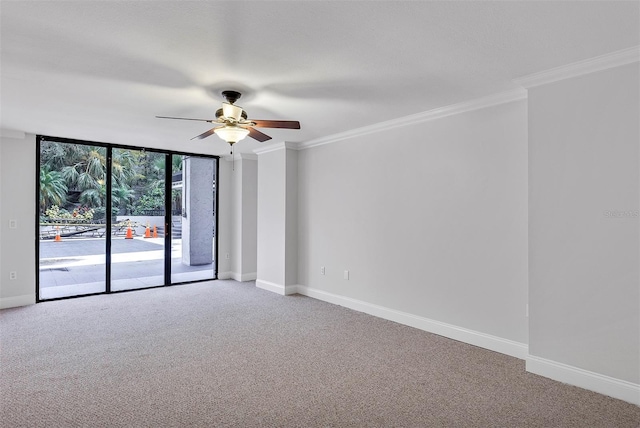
108, 220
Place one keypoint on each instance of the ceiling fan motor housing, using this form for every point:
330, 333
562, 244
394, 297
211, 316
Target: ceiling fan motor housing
220, 113
231, 96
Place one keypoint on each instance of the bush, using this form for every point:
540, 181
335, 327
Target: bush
81, 213
150, 201
99, 213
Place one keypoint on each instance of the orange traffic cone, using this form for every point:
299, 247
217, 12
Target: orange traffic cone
129, 233
147, 232
155, 232
58, 238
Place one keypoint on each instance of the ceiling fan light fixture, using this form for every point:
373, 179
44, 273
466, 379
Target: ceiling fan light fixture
235, 124
231, 134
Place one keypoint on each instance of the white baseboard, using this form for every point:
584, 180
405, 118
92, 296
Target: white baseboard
247, 277
277, 288
12, 302
483, 340
271, 286
237, 276
602, 384
291, 289
225, 275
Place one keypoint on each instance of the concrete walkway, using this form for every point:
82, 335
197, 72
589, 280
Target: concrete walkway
77, 266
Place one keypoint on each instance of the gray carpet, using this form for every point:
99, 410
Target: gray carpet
224, 353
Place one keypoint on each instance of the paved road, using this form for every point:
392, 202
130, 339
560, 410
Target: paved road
88, 247
74, 262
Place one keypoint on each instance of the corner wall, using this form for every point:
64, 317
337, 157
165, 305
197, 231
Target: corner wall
17, 202
225, 218
277, 234
243, 207
584, 231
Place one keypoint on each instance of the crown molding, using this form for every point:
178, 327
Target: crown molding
239, 156
450, 110
591, 65
277, 146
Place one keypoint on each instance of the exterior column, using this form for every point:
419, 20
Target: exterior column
197, 214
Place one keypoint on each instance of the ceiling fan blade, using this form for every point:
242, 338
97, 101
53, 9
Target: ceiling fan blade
205, 134
185, 118
257, 135
288, 124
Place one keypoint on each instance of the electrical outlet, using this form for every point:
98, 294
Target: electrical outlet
227, 257
13, 224
322, 271
346, 275
13, 275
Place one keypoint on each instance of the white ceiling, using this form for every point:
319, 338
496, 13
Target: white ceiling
101, 71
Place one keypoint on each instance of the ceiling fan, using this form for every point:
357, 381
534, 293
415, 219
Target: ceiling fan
232, 124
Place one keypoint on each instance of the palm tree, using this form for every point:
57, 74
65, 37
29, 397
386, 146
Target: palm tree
125, 167
85, 174
121, 197
94, 197
58, 155
88, 172
53, 190
83, 169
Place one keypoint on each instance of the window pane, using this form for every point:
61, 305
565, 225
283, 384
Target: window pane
137, 232
72, 238
193, 225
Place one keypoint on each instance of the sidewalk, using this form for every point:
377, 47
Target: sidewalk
77, 266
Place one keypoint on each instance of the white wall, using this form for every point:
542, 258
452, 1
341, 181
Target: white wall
271, 219
429, 219
291, 218
584, 263
236, 215
249, 217
277, 236
244, 206
225, 212
17, 202
2, 220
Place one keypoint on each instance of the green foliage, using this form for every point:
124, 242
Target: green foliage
121, 197
151, 200
81, 214
75, 169
94, 197
99, 213
53, 189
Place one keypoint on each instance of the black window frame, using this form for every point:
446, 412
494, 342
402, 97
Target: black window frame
168, 212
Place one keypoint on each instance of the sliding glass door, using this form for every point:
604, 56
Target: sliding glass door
137, 231
193, 227
115, 218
